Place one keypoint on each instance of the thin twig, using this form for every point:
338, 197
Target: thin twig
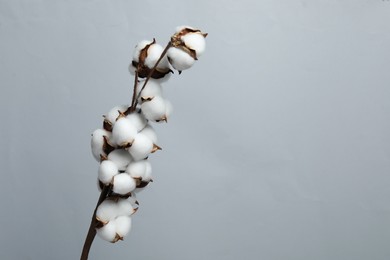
153, 70
133, 100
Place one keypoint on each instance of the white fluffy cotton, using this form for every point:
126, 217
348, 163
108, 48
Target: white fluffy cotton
124, 131
107, 170
150, 133
97, 142
179, 59
148, 172
146, 178
154, 52
154, 109
124, 207
121, 158
137, 169
113, 114
141, 147
123, 184
195, 41
138, 48
108, 231
153, 88
122, 225
107, 210
138, 120
167, 114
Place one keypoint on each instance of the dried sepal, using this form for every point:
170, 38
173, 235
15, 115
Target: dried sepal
112, 115
143, 184
146, 98
103, 157
107, 125
123, 226
98, 143
100, 223
107, 232
115, 196
156, 148
117, 238
107, 146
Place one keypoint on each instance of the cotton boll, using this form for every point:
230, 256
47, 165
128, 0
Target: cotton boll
138, 48
113, 114
124, 132
168, 112
97, 142
154, 109
107, 170
121, 158
150, 133
123, 225
138, 120
108, 231
107, 210
152, 88
145, 58
154, 52
179, 59
125, 208
141, 147
137, 169
195, 41
123, 184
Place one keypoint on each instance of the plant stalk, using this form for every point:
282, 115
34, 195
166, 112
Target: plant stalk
152, 71
92, 231
103, 195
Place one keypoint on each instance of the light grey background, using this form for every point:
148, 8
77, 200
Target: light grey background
278, 147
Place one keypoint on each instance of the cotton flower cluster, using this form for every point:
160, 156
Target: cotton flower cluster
122, 146
114, 218
187, 45
127, 138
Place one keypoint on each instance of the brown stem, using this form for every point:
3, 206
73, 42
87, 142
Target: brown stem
106, 190
92, 231
152, 71
133, 100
